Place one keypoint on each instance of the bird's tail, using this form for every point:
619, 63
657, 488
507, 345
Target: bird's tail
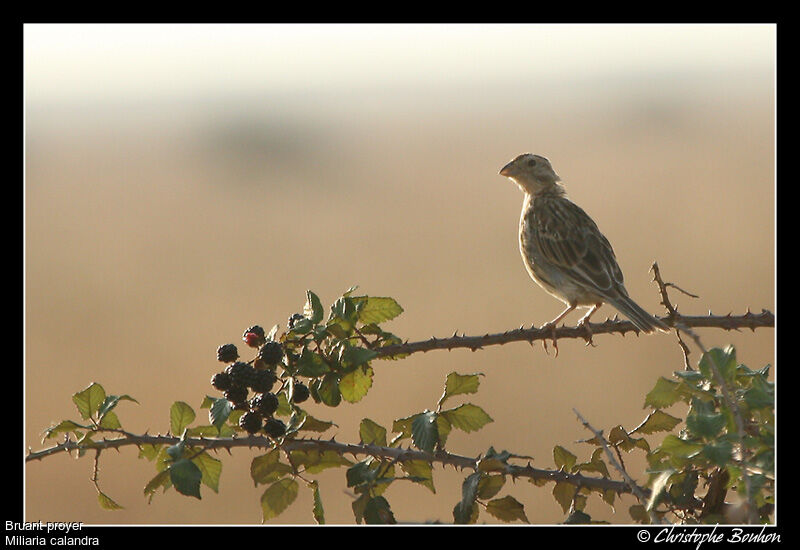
638, 316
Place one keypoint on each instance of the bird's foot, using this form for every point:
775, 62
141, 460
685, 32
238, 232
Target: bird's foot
583, 324
551, 327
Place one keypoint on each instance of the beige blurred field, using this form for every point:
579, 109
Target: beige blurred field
156, 232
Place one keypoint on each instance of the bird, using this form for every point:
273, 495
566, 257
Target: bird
565, 252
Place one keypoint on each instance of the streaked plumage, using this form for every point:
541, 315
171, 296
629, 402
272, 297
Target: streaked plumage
563, 249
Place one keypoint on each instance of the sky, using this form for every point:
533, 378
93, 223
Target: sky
65, 62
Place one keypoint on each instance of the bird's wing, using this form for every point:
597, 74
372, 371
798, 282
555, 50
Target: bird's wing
569, 239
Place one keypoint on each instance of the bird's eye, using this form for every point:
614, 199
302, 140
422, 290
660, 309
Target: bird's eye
532, 162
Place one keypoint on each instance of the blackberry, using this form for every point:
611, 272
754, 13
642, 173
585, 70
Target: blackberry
227, 353
254, 336
250, 422
266, 404
222, 381
263, 381
274, 427
295, 317
271, 353
236, 395
240, 373
300, 392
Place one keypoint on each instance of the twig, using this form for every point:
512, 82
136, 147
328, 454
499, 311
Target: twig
628, 480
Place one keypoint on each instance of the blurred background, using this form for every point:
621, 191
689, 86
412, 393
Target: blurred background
184, 182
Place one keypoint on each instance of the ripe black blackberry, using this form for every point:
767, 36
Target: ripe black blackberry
263, 380
300, 392
222, 381
251, 422
271, 353
254, 336
241, 373
274, 427
265, 403
236, 395
227, 353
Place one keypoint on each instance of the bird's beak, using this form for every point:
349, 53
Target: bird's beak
506, 170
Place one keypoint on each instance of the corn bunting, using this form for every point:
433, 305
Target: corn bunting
563, 249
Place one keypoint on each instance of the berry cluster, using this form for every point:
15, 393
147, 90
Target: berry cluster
239, 378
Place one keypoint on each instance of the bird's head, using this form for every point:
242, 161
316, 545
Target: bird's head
533, 173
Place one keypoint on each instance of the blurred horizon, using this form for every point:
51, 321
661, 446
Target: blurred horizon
184, 182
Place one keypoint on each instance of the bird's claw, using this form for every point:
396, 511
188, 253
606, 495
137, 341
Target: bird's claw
583, 324
552, 328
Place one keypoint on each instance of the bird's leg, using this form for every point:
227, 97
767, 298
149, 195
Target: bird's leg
551, 326
584, 323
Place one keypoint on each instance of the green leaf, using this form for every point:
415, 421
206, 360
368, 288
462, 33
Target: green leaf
378, 512
219, 411
507, 509
355, 384
467, 417
372, 433
180, 416
403, 425
318, 511
313, 308
657, 421
676, 446
311, 364
89, 400
705, 425
161, 479
490, 485
564, 459
421, 470
457, 384
372, 309
564, 492
360, 473
110, 421
354, 356
106, 502
210, 468
278, 497
267, 468
723, 359
63, 426
316, 461
465, 513
328, 390
639, 513
186, 476
424, 431
718, 452
761, 394
657, 488
148, 451
663, 394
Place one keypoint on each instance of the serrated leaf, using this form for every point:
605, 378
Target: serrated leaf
328, 390
161, 479
467, 417
465, 513
278, 497
318, 511
507, 509
354, 356
718, 452
316, 461
372, 433
403, 426
564, 459
63, 426
312, 424
564, 493
180, 416
443, 427
705, 425
313, 308
657, 421
210, 468
490, 485
424, 431
723, 359
311, 364
378, 512
639, 513
89, 400
657, 488
219, 412
421, 471
106, 502
268, 468
760, 395
148, 451
185, 477
355, 384
676, 446
457, 384
373, 309
110, 421
663, 394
